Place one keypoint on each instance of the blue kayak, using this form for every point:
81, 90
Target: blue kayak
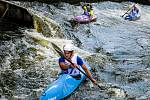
62, 87
132, 18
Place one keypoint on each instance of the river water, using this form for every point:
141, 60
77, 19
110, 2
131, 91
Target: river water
118, 49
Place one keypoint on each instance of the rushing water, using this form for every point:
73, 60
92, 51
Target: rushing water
29, 64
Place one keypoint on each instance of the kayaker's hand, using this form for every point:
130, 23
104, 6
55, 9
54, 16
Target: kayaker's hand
94, 81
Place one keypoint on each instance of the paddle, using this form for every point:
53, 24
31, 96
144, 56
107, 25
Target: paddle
58, 50
128, 10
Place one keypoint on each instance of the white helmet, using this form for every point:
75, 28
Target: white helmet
68, 47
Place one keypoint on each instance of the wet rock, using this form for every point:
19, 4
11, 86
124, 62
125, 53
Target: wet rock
15, 13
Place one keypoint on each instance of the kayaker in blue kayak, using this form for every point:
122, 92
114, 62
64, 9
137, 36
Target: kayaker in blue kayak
134, 14
70, 69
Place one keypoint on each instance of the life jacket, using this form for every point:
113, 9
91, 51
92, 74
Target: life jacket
70, 70
84, 7
91, 12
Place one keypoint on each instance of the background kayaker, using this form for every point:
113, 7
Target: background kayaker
88, 9
91, 12
135, 12
70, 69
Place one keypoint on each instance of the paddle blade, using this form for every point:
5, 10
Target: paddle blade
58, 50
55, 47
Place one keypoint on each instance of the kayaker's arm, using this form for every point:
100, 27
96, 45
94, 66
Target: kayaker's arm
88, 73
86, 70
63, 66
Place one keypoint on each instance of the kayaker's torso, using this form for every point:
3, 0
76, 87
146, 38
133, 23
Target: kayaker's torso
71, 71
